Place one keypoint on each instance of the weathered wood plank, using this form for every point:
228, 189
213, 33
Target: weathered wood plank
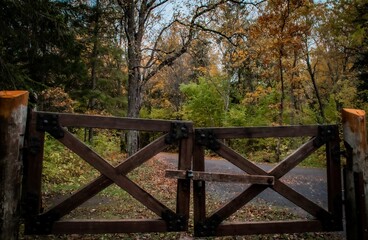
32, 172
199, 187
108, 226
355, 139
91, 121
334, 185
13, 118
220, 177
269, 227
264, 132
183, 185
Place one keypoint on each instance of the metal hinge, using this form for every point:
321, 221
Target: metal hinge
49, 122
175, 222
325, 134
208, 227
177, 131
207, 138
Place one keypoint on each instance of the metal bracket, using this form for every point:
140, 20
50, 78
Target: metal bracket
28, 204
207, 138
325, 134
207, 227
49, 123
177, 131
175, 222
40, 224
189, 174
329, 222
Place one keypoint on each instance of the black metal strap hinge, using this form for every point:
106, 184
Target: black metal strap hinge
177, 131
49, 122
207, 138
208, 227
40, 224
175, 222
325, 134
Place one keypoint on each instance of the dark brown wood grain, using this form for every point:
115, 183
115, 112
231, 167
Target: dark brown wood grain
183, 185
191, 169
33, 161
107, 122
199, 187
334, 184
108, 226
264, 132
269, 227
220, 177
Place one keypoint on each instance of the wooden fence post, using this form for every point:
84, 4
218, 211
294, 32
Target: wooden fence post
13, 117
355, 173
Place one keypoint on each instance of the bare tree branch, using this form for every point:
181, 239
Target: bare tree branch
200, 11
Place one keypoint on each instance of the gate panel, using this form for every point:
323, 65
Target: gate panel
191, 167
48, 222
325, 220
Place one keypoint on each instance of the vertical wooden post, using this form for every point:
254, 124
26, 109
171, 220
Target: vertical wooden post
199, 189
334, 177
183, 190
356, 173
13, 117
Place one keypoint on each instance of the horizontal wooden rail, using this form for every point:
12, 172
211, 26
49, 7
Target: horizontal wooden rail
264, 132
105, 122
273, 227
108, 226
220, 177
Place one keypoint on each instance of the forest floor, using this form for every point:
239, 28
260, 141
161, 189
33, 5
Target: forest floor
113, 203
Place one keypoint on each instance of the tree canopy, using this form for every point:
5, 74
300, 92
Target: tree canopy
215, 62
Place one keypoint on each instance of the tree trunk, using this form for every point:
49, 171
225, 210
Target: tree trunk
134, 33
281, 114
134, 104
311, 72
134, 90
94, 56
13, 116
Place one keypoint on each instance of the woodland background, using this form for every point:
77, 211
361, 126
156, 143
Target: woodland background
214, 62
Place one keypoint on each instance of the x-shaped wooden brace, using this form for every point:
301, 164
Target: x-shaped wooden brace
277, 172
109, 175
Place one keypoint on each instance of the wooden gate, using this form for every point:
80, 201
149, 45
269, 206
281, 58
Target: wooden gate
191, 167
48, 222
215, 225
